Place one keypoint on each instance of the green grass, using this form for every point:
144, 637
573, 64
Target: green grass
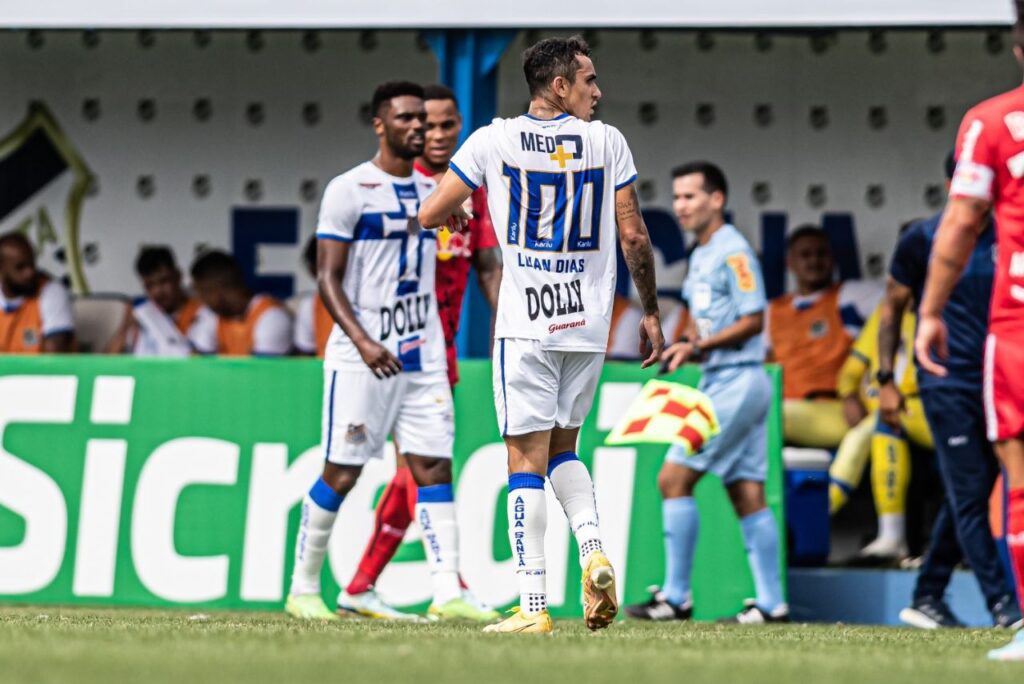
47, 644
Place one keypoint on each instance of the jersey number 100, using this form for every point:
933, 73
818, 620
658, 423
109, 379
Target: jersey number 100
545, 231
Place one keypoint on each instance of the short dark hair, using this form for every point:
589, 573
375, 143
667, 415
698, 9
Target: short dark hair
804, 231
218, 266
1018, 25
385, 92
152, 259
18, 238
714, 179
552, 57
436, 91
949, 166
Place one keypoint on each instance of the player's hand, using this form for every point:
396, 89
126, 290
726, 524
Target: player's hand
853, 410
652, 337
890, 404
931, 338
458, 222
677, 354
383, 363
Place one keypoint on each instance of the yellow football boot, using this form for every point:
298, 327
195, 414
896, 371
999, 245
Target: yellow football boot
600, 605
520, 623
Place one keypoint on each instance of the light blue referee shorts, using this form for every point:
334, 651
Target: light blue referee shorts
741, 396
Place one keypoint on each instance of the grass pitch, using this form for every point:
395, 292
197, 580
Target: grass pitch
46, 644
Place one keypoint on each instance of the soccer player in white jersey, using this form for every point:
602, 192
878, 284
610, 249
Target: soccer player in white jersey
384, 365
558, 184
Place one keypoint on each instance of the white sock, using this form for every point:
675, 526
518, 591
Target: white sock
527, 522
892, 527
319, 509
575, 491
435, 512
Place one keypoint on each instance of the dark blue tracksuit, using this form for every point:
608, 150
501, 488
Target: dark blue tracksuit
953, 407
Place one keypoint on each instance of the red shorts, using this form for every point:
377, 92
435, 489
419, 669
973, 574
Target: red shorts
1004, 389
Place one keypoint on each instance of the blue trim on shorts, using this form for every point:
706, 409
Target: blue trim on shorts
441, 493
883, 428
325, 497
330, 416
525, 481
561, 458
504, 392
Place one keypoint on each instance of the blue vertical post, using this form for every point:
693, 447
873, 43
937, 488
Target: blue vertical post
468, 64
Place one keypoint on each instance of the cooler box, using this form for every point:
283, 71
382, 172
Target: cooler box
806, 500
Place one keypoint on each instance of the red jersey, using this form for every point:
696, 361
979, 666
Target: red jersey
454, 259
990, 166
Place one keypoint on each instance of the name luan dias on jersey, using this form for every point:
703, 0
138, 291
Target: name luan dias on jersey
389, 278
551, 193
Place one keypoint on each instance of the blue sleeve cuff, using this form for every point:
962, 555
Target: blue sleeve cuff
628, 181
58, 331
330, 236
464, 177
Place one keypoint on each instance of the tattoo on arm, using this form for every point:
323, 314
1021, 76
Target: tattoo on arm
888, 339
640, 260
627, 208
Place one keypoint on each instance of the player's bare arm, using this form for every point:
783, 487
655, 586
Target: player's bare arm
332, 259
734, 335
487, 263
444, 206
962, 222
636, 248
61, 343
897, 298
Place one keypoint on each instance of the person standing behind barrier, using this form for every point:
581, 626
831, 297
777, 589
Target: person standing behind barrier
725, 294
246, 324
809, 333
163, 322
35, 310
953, 406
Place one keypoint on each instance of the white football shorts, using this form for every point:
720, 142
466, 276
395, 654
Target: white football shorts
360, 411
537, 389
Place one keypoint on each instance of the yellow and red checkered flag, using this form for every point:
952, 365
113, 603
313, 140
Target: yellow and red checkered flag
667, 413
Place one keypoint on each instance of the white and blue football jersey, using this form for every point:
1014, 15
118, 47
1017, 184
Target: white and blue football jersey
551, 194
722, 285
389, 278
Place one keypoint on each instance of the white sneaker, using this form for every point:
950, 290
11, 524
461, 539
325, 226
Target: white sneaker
1011, 651
885, 548
369, 605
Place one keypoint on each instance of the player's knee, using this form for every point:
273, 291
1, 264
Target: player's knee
672, 484
430, 471
340, 478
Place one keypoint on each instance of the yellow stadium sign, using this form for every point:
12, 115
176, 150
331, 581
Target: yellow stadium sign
667, 413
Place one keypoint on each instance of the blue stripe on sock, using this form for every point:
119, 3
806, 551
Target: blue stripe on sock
525, 481
325, 497
561, 458
442, 493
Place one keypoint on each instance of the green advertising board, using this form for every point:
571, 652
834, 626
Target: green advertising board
176, 482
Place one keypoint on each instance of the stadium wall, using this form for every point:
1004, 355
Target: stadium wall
168, 482
227, 138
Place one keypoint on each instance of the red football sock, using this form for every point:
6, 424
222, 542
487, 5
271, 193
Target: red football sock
390, 522
1015, 536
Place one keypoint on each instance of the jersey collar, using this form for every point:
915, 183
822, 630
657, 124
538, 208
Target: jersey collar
563, 115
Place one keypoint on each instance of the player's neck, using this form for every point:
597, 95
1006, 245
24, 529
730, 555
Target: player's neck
808, 289
704, 236
433, 170
392, 164
542, 108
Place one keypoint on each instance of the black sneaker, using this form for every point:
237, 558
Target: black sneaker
752, 615
659, 609
1006, 614
929, 613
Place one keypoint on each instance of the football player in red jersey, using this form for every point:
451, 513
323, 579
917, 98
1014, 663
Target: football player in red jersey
989, 175
456, 253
